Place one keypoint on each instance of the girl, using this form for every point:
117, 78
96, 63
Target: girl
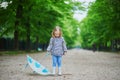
57, 47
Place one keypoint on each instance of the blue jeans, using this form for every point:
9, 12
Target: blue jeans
56, 60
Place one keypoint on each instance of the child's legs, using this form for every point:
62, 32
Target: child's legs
59, 61
54, 60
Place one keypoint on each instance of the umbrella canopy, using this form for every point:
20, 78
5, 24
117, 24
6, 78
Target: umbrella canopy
37, 67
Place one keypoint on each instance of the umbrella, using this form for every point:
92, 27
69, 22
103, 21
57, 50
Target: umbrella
36, 66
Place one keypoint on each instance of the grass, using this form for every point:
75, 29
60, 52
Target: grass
2, 53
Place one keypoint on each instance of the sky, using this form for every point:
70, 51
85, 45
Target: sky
79, 15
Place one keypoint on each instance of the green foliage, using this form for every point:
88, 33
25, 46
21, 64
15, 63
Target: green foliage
35, 19
101, 24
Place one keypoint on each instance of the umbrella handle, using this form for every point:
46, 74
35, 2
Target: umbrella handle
47, 54
26, 65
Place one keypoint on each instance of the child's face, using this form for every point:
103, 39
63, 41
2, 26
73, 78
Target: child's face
57, 33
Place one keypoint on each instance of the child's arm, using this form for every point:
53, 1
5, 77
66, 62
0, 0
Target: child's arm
50, 45
64, 46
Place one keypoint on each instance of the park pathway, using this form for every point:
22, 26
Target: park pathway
78, 64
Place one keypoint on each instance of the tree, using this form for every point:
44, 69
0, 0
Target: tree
101, 24
33, 20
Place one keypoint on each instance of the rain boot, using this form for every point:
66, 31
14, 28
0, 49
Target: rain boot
59, 71
54, 70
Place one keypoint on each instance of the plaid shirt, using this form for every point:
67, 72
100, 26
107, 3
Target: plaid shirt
57, 46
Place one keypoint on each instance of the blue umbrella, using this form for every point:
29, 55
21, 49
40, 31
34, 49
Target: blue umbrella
36, 66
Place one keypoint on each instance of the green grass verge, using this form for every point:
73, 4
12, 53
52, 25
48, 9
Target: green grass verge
2, 53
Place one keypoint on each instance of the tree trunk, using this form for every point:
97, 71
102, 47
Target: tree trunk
28, 46
16, 40
28, 41
37, 43
17, 22
113, 45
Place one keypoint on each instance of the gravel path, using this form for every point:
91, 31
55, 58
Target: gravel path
78, 64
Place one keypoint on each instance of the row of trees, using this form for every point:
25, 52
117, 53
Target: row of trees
101, 27
33, 20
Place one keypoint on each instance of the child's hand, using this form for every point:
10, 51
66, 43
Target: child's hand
48, 52
64, 52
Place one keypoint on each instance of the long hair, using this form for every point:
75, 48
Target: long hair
55, 29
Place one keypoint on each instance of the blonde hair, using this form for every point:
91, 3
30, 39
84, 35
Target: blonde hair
55, 29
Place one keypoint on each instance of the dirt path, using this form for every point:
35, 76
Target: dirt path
77, 65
